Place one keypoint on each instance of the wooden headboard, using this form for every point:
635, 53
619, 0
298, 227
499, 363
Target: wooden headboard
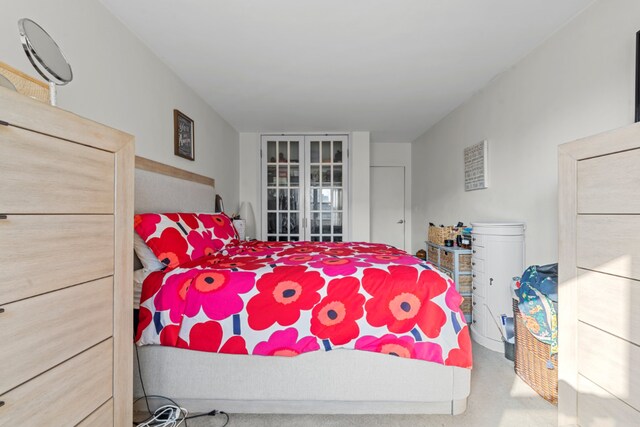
164, 188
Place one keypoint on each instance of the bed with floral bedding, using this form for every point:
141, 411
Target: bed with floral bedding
218, 294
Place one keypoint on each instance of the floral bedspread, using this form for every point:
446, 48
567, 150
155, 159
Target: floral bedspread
288, 298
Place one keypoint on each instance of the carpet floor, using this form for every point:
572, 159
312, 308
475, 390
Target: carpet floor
499, 398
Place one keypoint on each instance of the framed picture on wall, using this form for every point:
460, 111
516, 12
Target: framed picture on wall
183, 135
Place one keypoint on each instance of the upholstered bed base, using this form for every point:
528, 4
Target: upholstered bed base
335, 382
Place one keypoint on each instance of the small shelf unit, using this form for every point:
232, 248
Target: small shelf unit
455, 262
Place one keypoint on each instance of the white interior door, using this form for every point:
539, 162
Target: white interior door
387, 205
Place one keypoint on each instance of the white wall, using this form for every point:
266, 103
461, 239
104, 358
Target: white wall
250, 185
250, 177
360, 156
118, 81
579, 82
397, 154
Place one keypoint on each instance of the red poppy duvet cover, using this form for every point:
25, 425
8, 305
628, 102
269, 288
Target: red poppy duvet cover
288, 298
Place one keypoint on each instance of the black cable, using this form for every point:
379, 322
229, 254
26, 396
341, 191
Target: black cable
210, 414
147, 396
156, 396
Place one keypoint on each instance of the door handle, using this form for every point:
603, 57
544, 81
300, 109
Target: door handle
401, 221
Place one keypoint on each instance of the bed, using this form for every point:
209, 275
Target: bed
338, 381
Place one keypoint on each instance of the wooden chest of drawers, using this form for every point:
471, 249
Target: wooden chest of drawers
66, 213
599, 280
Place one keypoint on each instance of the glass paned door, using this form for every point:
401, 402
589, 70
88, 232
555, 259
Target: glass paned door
326, 187
283, 193
304, 188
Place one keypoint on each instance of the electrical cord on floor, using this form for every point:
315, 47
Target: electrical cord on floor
211, 414
168, 415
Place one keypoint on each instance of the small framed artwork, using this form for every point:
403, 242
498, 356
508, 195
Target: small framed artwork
183, 135
475, 167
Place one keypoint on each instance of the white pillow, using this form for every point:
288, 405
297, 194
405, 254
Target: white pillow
145, 255
138, 278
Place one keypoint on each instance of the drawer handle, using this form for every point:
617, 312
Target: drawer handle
474, 251
2, 216
1, 310
473, 263
473, 275
474, 288
474, 239
1, 403
474, 303
474, 321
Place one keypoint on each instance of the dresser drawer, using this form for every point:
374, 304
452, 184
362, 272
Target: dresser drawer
478, 277
609, 184
477, 240
41, 174
101, 417
64, 395
40, 332
478, 288
478, 252
478, 313
477, 265
41, 253
609, 244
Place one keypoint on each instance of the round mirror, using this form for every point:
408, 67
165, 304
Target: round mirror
45, 55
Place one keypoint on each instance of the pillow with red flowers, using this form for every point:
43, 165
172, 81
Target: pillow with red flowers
176, 238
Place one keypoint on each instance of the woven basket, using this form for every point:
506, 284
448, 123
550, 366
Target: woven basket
447, 259
531, 361
433, 255
438, 235
464, 283
466, 305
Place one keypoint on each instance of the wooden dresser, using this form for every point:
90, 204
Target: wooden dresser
599, 280
66, 221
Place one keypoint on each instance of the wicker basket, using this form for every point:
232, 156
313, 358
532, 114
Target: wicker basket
433, 255
438, 235
531, 361
464, 283
447, 259
466, 305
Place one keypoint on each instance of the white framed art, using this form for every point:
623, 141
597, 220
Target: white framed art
475, 167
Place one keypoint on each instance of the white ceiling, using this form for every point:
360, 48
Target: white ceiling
393, 67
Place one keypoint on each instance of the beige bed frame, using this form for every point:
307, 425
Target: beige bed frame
335, 382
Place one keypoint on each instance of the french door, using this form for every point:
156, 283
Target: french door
304, 188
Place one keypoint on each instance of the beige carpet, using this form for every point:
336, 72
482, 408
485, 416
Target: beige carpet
498, 399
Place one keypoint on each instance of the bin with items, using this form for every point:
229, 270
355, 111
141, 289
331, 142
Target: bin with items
535, 308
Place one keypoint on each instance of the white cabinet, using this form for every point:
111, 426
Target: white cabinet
498, 256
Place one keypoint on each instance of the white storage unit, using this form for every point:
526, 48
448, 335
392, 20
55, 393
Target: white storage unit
498, 256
